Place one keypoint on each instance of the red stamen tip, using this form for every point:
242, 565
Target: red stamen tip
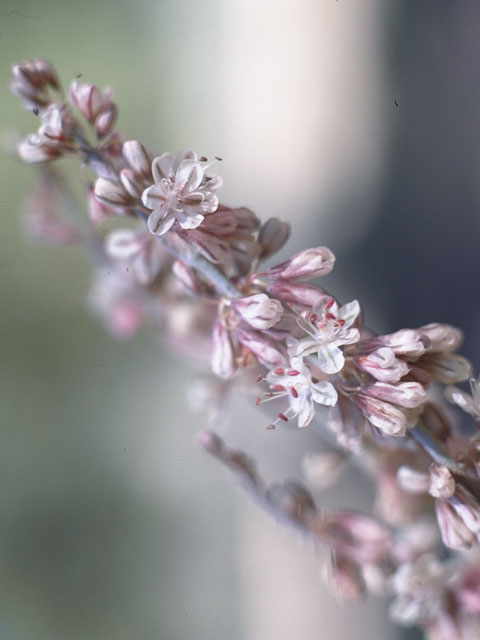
278, 387
330, 303
329, 316
257, 401
313, 317
294, 392
283, 417
293, 372
279, 371
259, 379
341, 322
270, 427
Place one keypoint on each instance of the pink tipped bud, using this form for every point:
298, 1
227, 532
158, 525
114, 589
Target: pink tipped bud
383, 415
299, 294
133, 185
31, 81
455, 534
105, 120
112, 193
447, 368
210, 442
260, 311
186, 278
383, 365
273, 236
443, 337
441, 481
223, 361
86, 98
123, 244
97, 211
406, 342
261, 346
34, 150
138, 158
467, 507
304, 265
404, 394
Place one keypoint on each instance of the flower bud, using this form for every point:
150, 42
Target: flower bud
261, 346
273, 236
97, 211
455, 534
404, 394
123, 244
137, 158
304, 265
345, 579
222, 362
467, 507
383, 415
447, 367
260, 311
112, 193
186, 278
406, 342
35, 150
441, 482
300, 294
443, 337
105, 120
86, 98
383, 365
411, 480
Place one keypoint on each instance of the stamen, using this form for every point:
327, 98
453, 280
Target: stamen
283, 417
270, 427
330, 303
294, 392
278, 387
279, 371
330, 316
293, 372
259, 379
257, 401
313, 317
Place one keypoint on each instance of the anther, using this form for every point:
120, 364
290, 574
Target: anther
283, 417
259, 379
313, 317
278, 387
293, 372
294, 392
270, 427
257, 401
279, 371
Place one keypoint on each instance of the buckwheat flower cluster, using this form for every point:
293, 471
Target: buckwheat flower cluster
203, 275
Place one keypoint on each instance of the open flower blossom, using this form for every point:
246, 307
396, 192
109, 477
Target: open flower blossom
182, 192
296, 384
328, 327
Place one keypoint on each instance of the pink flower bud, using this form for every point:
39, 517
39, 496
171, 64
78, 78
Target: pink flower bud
137, 158
468, 508
443, 337
304, 265
383, 365
382, 415
86, 98
411, 480
223, 361
186, 278
112, 193
123, 244
406, 342
455, 534
260, 311
97, 211
273, 236
299, 294
345, 579
105, 120
214, 249
131, 182
441, 482
34, 150
446, 367
264, 348
404, 394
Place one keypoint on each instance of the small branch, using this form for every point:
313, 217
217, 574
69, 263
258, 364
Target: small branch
437, 451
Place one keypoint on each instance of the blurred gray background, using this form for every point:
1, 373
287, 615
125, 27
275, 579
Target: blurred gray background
358, 122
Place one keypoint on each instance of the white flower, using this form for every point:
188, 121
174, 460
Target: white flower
302, 392
328, 328
182, 192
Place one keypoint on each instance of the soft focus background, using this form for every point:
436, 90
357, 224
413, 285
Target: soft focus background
358, 122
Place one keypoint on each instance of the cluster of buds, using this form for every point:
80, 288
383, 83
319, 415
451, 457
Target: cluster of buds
195, 269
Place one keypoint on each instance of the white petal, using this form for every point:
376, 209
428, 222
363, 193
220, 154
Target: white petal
330, 358
324, 393
162, 167
159, 222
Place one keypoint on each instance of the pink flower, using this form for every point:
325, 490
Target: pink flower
328, 327
297, 385
182, 192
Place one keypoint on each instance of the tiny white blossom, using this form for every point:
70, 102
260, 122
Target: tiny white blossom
182, 192
328, 327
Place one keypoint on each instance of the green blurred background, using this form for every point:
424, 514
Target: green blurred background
358, 122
